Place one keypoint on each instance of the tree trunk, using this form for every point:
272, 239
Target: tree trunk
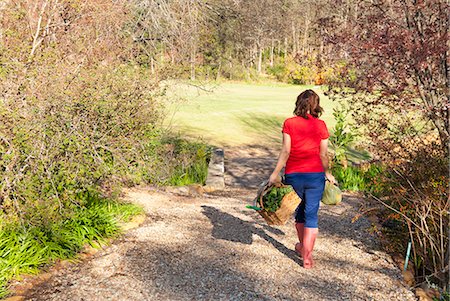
271, 53
294, 39
321, 44
285, 47
193, 58
259, 59
219, 69
172, 57
442, 126
306, 29
2, 8
192, 70
152, 65
162, 54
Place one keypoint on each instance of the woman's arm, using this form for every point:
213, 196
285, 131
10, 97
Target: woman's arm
324, 159
282, 158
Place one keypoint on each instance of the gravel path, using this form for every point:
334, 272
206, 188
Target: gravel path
212, 248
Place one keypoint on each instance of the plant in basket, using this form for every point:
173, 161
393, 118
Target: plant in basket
276, 203
272, 199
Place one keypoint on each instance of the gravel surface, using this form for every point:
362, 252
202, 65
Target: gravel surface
212, 248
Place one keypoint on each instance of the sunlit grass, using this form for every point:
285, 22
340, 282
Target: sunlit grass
236, 113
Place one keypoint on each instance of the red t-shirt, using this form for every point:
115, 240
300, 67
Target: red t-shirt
306, 135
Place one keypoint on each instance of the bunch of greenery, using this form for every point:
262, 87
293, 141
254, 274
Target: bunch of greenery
192, 162
343, 135
23, 250
356, 178
272, 199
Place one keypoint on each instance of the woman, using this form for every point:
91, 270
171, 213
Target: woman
304, 153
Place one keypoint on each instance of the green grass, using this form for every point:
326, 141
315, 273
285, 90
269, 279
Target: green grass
233, 114
24, 250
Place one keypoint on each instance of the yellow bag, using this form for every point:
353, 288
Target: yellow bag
332, 195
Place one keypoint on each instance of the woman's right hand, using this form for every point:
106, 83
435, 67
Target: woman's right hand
330, 178
274, 178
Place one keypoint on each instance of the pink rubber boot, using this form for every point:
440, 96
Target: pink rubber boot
309, 238
298, 246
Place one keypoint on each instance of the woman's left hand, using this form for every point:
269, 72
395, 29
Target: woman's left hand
330, 178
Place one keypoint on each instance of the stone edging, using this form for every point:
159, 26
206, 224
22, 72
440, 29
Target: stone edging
216, 170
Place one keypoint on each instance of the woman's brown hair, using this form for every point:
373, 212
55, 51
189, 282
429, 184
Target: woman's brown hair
308, 102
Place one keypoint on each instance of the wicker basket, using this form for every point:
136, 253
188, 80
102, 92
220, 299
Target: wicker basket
288, 205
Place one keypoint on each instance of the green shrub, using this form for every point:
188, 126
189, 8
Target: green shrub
279, 71
354, 178
343, 135
189, 160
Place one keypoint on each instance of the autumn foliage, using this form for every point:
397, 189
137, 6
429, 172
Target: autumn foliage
396, 79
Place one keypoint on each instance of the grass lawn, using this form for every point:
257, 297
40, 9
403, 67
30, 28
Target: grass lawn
234, 114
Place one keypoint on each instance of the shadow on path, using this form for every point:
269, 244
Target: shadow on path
248, 166
231, 228
343, 225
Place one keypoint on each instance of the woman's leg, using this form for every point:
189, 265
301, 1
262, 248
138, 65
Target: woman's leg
297, 183
299, 227
314, 186
309, 239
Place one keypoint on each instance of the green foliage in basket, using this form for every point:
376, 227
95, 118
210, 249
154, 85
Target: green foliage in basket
272, 199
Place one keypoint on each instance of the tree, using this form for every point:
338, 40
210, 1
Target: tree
170, 28
399, 49
395, 74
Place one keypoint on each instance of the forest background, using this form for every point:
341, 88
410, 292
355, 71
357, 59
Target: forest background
81, 105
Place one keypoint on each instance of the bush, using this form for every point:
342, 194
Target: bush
56, 148
355, 178
23, 250
301, 70
343, 135
417, 190
79, 118
290, 71
191, 164
279, 71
